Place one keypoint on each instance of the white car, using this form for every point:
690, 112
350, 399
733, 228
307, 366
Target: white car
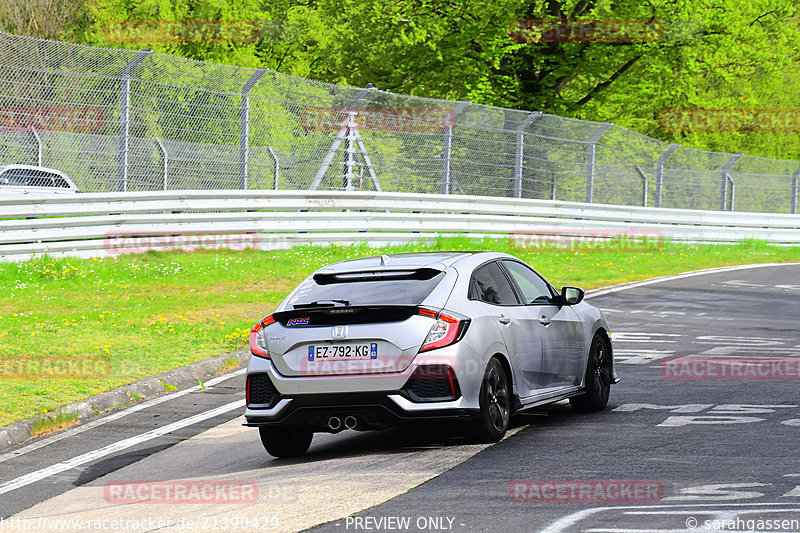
29, 179
384, 341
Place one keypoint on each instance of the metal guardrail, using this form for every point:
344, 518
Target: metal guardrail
95, 224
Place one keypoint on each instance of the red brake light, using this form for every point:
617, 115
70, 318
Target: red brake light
445, 331
258, 343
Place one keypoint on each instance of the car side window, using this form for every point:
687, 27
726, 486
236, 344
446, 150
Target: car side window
534, 289
16, 176
490, 285
40, 178
32, 178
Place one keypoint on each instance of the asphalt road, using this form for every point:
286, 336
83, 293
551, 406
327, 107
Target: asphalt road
674, 451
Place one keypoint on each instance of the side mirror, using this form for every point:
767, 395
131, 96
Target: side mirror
572, 295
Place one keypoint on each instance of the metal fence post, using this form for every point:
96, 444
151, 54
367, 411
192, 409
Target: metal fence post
244, 127
38, 146
164, 161
590, 170
725, 179
124, 118
795, 175
276, 171
671, 149
644, 184
448, 141
520, 152
729, 179
349, 151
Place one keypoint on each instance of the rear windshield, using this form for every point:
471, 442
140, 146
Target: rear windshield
367, 288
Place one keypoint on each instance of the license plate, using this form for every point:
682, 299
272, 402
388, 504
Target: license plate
327, 352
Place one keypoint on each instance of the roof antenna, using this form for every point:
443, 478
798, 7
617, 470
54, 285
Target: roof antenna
385, 260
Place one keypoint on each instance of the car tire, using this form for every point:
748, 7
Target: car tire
597, 381
286, 441
495, 405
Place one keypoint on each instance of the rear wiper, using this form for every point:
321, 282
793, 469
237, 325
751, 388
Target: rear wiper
322, 303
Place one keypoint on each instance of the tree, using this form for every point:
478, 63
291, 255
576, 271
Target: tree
48, 19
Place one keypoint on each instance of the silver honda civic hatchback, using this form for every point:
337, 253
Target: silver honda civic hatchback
382, 341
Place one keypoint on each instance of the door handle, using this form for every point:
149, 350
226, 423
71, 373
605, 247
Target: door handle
504, 320
545, 321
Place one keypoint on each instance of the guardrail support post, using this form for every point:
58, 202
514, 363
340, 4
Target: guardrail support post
38, 146
349, 151
244, 127
671, 149
795, 176
644, 184
276, 171
590, 167
164, 161
520, 152
726, 178
124, 118
448, 141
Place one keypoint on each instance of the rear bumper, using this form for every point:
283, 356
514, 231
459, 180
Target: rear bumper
376, 401
372, 410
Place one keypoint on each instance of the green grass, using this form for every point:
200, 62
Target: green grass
46, 424
154, 312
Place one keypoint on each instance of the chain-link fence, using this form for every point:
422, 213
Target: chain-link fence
119, 120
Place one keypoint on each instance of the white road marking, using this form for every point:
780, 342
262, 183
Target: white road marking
681, 421
116, 416
749, 350
69, 464
742, 341
740, 283
719, 492
568, 523
636, 336
637, 284
640, 357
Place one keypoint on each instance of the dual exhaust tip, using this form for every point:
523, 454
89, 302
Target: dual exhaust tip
335, 423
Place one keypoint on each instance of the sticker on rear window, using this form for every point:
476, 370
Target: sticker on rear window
298, 321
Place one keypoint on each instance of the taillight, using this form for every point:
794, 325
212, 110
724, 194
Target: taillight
258, 341
447, 330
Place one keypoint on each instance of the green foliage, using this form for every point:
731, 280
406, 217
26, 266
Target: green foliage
711, 54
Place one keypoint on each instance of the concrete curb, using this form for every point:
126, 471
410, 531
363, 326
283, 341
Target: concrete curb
105, 402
